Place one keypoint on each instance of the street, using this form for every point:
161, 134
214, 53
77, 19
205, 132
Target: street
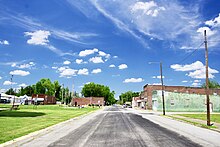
120, 127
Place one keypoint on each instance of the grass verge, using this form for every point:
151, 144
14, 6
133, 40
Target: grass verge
214, 117
191, 122
28, 119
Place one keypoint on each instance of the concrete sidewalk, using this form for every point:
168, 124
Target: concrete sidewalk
204, 137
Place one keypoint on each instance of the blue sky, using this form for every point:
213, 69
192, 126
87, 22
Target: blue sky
109, 42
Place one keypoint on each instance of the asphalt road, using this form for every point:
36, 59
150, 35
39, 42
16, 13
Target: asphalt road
118, 127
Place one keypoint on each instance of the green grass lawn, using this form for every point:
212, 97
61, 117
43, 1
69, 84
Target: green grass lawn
28, 119
214, 117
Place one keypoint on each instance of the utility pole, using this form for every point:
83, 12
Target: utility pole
62, 94
162, 86
11, 93
207, 80
161, 77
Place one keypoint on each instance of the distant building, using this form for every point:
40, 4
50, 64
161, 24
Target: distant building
177, 98
88, 100
43, 99
5, 98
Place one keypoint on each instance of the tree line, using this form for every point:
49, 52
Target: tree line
45, 86
127, 96
97, 90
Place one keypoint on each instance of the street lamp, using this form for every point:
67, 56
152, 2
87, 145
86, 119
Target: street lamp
162, 87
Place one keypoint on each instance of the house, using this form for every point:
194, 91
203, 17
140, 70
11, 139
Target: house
99, 101
5, 98
26, 100
178, 98
138, 102
43, 99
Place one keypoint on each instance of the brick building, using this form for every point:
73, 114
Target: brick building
88, 100
178, 97
43, 99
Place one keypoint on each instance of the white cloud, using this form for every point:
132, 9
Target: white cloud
88, 52
155, 19
54, 67
13, 65
0, 77
214, 22
133, 80
83, 71
197, 81
122, 66
112, 65
23, 85
115, 56
20, 73
147, 8
184, 81
156, 84
209, 32
95, 71
103, 54
188, 67
9, 83
96, 60
4, 42
79, 61
3, 90
119, 23
39, 37
67, 72
196, 70
72, 36
158, 77
25, 65
201, 73
66, 62
196, 84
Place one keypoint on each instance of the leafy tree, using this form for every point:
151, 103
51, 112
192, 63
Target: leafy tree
28, 91
97, 90
212, 84
127, 96
44, 86
57, 89
40, 89
10, 92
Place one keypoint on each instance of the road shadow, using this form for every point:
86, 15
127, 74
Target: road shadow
8, 113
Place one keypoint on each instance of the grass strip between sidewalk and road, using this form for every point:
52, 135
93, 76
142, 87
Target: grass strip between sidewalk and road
191, 122
27, 119
214, 117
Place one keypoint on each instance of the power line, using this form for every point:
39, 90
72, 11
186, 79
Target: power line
191, 53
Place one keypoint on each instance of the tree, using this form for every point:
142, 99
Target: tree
28, 91
97, 90
10, 91
40, 88
127, 96
212, 84
57, 89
